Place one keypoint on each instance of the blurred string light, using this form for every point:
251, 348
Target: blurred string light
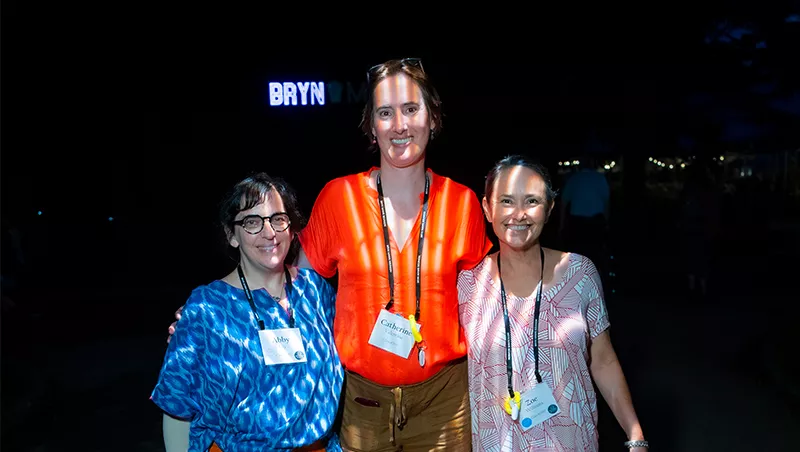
678, 163
607, 166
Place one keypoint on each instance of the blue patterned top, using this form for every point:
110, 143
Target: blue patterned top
214, 371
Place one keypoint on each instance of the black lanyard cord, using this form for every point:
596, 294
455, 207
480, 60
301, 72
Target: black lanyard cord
249, 296
509, 364
389, 248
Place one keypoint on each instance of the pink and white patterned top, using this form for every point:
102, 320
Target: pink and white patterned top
572, 313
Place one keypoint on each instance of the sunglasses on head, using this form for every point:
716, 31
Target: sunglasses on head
416, 62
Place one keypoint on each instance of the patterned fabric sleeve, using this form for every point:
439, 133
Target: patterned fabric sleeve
596, 313
473, 233
465, 285
326, 296
184, 388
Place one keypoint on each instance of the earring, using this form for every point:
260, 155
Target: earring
433, 134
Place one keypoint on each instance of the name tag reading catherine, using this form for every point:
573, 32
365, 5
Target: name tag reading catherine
282, 346
392, 333
538, 405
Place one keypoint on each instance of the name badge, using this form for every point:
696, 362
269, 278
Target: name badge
393, 333
282, 346
538, 405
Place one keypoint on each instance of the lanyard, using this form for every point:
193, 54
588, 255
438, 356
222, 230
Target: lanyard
509, 365
249, 296
389, 248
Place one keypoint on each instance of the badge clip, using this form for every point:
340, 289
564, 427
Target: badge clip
512, 407
414, 328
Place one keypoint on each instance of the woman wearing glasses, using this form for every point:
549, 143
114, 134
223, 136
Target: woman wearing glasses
253, 365
398, 235
537, 328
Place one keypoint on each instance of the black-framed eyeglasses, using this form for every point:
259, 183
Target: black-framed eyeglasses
416, 62
253, 224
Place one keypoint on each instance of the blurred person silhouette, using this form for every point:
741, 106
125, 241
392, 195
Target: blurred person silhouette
254, 366
586, 211
698, 225
540, 315
397, 235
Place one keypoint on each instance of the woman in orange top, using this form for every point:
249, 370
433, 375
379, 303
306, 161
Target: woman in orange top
398, 235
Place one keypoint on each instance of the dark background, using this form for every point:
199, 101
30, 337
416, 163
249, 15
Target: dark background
148, 116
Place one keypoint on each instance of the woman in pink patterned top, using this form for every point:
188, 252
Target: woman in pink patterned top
549, 403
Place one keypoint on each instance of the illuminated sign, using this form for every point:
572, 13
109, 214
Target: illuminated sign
287, 93
316, 93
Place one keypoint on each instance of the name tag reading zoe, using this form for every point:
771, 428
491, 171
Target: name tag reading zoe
393, 333
538, 405
282, 346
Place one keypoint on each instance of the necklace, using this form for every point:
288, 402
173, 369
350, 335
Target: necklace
278, 297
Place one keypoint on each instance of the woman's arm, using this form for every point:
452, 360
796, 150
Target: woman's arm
176, 434
607, 373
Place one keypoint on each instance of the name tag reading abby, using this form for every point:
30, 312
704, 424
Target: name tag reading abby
538, 405
393, 333
282, 346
